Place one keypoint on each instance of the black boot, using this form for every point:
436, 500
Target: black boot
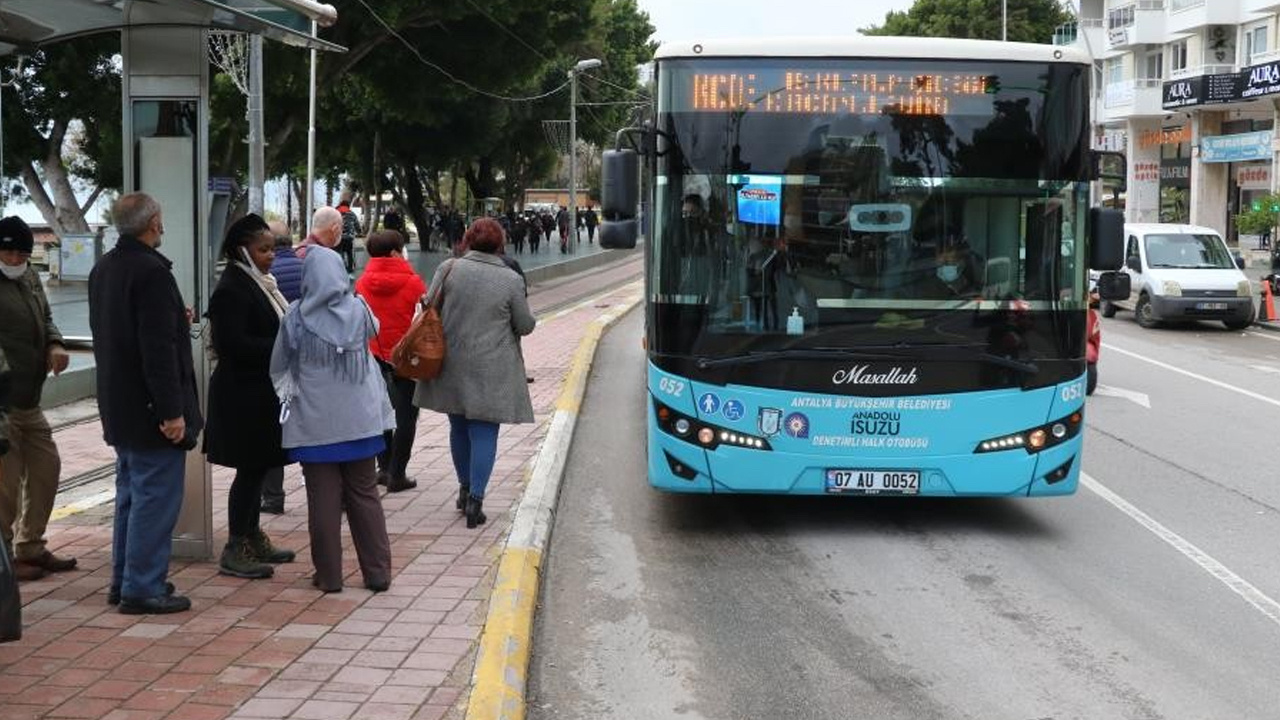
475, 513
464, 492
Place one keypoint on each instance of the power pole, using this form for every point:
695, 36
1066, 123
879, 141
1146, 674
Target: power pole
581, 66
257, 157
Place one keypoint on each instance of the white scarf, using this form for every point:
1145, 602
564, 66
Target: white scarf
266, 282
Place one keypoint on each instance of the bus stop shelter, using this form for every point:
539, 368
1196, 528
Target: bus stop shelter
165, 106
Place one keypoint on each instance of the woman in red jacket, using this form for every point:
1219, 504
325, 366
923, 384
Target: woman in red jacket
392, 289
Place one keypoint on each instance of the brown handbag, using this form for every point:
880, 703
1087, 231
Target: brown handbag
420, 353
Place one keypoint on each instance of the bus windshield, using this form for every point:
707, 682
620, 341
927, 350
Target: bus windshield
862, 199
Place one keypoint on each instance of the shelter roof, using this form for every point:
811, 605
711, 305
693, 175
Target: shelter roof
31, 23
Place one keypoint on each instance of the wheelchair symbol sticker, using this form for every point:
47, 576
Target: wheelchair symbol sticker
733, 410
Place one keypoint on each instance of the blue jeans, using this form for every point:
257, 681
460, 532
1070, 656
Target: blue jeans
474, 445
149, 486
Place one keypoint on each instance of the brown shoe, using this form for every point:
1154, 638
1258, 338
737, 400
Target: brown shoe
48, 561
26, 572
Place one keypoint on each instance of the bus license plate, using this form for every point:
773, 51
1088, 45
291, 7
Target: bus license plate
873, 482
1211, 306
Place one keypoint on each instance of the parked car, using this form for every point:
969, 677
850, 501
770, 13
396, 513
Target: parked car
1183, 273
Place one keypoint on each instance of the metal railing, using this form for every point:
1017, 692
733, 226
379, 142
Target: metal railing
1180, 5
1203, 70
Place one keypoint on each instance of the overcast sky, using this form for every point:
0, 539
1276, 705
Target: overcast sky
703, 19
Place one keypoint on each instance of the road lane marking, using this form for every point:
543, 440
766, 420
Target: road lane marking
1132, 396
1195, 376
1270, 337
1266, 369
1234, 582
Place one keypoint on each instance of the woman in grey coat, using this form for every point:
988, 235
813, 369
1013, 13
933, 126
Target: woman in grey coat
482, 384
334, 411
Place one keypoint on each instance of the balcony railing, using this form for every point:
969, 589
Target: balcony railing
1067, 33
1203, 70
1179, 5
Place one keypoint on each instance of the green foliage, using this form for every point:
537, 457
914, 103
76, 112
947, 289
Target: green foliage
65, 91
1261, 216
1029, 20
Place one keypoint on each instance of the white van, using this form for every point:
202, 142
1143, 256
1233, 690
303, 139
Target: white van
1182, 272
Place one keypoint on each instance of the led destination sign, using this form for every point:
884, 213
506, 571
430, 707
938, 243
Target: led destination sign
800, 90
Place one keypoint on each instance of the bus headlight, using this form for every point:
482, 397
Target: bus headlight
1038, 438
1172, 289
1244, 288
704, 434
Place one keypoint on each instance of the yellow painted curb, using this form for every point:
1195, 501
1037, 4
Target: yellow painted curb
502, 661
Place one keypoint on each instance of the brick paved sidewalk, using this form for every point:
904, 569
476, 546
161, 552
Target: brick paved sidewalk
278, 648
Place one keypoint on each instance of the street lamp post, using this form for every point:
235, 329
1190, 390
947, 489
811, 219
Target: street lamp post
582, 66
311, 143
1004, 20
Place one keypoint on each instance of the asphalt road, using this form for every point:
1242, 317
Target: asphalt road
1149, 594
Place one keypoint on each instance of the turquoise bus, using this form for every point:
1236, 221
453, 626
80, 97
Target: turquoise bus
867, 265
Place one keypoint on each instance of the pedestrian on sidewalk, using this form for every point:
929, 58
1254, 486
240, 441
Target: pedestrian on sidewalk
34, 348
146, 399
243, 430
534, 226
392, 289
562, 222
286, 268
334, 411
592, 221
482, 383
350, 229
326, 231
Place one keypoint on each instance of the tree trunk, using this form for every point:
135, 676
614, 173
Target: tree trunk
413, 197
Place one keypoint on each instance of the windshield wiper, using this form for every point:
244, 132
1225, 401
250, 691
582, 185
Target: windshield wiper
895, 351
806, 354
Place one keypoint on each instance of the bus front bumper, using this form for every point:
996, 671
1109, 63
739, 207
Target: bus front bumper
681, 467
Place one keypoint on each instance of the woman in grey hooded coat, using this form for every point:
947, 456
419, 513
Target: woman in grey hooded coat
334, 411
483, 382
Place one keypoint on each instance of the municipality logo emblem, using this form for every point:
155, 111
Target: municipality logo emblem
797, 425
770, 421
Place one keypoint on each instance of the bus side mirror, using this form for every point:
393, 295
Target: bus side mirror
1110, 167
1106, 234
1114, 285
619, 199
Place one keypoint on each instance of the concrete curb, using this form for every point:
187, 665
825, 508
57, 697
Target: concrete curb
502, 662
1269, 326
575, 265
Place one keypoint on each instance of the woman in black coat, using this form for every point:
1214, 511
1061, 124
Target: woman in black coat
243, 430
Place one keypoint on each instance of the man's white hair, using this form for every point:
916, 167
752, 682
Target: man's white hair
325, 217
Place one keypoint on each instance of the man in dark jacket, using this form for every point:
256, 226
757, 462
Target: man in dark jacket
287, 266
147, 399
350, 229
34, 348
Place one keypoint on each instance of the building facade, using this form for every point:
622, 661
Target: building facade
1189, 90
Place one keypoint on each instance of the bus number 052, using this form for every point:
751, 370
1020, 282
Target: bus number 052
674, 388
